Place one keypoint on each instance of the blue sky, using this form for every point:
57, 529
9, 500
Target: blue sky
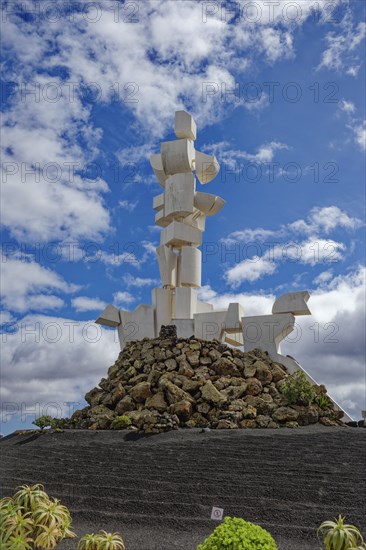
277, 90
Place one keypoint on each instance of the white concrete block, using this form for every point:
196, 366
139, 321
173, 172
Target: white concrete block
185, 303
233, 319
209, 325
206, 167
179, 195
110, 317
267, 331
204, 307
162, 300
157, 166
167, 260
185, 126
208, 204
190, 267
158, 201
178, 234
185, 327
292, 302
136, 325
177, 156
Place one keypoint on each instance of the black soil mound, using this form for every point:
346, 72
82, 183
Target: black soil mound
158, 490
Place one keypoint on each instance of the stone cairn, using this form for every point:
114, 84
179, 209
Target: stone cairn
168, 383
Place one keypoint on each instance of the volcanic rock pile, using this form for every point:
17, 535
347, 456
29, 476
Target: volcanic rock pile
165, 383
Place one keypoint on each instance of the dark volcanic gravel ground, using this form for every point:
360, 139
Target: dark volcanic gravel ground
158, 490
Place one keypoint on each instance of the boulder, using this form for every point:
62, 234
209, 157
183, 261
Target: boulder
254, 387
263, 373
307, 415
140, 392
285, 414
94, 397
182, 409
225, 366
174, 394
157, 401
126, 404
211, 394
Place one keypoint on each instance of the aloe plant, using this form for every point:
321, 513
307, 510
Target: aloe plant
31, 519
30, 496
49, 536
19, 542
101, 541
88, 542
18, 523
338, 535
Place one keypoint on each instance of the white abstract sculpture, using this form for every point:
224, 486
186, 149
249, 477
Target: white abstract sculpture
181, 211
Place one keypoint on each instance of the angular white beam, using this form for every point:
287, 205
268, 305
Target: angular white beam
292, 302
110, 317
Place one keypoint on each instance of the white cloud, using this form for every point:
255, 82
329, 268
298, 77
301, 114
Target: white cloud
325, 219
83, 303
313, 250
128, 205
347, 106
6, 317
116, 260
323, 277
360, 135
60, 358
250, 235
264, 154
123, 298
139, 282
250, 270
253, 303
26, 285
340, 53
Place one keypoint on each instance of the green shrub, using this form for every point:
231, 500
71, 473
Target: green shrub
121, 422
237, 534
323, 401
298, 390
42, 422
338, 535
61, 423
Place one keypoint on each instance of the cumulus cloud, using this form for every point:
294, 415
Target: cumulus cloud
123, 298
83, 303
325, 219
340, 53
128, 205
26, 285
313, 250
264, 154
139, 282
60, 359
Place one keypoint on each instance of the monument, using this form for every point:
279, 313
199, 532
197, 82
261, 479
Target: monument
181, 212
